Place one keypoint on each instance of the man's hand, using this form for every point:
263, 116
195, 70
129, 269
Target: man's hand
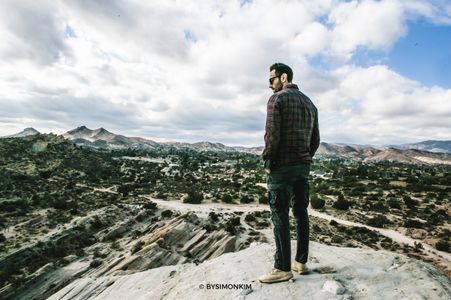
268, 171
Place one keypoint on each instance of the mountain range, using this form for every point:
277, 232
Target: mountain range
423, 152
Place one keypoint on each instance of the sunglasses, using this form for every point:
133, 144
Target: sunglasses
271, 80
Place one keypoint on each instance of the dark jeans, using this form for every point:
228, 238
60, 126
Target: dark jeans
288, 187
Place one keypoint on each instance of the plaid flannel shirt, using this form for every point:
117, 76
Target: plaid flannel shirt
292, 130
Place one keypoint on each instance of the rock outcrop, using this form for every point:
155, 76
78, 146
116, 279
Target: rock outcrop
337, 273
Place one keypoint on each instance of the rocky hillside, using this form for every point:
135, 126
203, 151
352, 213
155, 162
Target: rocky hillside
428, 152
26, 132
432, 146
102, 138
369, 154
337, 273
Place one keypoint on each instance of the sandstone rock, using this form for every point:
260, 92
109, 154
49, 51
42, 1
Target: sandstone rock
364, 272
333, 287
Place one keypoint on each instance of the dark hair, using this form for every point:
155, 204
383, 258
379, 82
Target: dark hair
282, 68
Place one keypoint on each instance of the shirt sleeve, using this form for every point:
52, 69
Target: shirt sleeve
272, 133
315, 140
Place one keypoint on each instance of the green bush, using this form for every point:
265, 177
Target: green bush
413, 224
166, 213
245, 199
136, 247
442, 245
235, 221
213, 216
378, 221
341, 204
394, 203
227, 198
263, 199
410, 203
95, 263
230, 228
150, 205
316, 202
194, 197
249, 218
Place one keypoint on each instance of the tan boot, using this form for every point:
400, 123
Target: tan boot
300, 268
276, 275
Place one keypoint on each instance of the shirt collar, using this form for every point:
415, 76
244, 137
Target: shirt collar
291, 86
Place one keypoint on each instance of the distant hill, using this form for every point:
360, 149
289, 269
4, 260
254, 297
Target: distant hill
432, 146
370, 154
429, 152
26, 132
102, 138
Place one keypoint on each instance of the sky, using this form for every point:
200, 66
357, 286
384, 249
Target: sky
379, 72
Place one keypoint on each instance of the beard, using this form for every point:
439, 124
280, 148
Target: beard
278, 87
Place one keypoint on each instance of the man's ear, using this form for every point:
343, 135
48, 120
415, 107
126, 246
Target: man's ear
284, 77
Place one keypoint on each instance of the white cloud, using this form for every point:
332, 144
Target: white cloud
197, 70
379, 106
375, 25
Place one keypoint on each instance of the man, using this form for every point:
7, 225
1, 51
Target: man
291, 140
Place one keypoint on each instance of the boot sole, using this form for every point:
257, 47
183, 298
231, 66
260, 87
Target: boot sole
278, 280
301, 272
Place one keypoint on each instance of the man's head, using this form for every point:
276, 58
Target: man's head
279, 75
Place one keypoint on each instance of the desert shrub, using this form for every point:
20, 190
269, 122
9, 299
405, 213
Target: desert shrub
213, 216
136, 247
333, 223
316, 202
194, 197
60, 203
263, 199
166, 213
230, 228
394, 203
150, 205
235, 221
413, 223
115, 245
162, 195
140, 217
378, 221
96, 223
410, 203
95, 263
249, 218
124, 189
245, 199
418, 247
379, 206
442, 245
341, 204
337, 239
227, 198
209, 227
